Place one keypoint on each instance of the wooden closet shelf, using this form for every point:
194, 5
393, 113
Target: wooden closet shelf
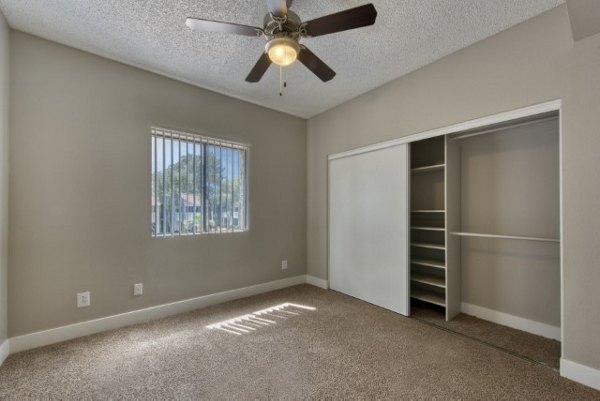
431, 297
428, 245
428, 169
428, 211
429, 263
436, 281
428, 228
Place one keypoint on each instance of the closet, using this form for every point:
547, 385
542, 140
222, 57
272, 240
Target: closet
485, 223
463, 223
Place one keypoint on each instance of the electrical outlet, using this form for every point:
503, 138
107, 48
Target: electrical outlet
138, 289
83, 299
284, 264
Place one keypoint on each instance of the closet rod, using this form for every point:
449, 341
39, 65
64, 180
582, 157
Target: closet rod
541, 239
489, 131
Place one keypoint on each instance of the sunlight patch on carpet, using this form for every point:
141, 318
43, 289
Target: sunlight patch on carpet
251, 322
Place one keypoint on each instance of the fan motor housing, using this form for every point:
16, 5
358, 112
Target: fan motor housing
289, 25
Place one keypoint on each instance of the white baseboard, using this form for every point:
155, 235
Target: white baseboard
4, 350
580, 373
516, 322
64, 333
317, 282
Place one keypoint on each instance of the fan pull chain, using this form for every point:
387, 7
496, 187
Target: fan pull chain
282, 82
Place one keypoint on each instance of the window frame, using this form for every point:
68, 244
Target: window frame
160, 131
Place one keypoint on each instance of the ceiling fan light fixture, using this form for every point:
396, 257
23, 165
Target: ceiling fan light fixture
282, 51
283, 29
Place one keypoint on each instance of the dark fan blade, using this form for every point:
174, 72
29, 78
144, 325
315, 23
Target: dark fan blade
316, 65
342, 21
206, 25
278, 7
259, 69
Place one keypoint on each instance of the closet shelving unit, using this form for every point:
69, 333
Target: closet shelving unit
428, 221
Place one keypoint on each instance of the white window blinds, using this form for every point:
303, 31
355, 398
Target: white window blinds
199, 184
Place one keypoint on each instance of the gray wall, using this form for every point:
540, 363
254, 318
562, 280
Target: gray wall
4, 166
528, 64
80, 189
585, 17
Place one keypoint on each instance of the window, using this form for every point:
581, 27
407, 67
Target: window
199, 184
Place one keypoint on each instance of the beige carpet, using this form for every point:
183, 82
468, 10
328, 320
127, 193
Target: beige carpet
543, 350
344, 349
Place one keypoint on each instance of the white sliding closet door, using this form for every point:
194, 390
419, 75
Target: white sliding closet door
368, 227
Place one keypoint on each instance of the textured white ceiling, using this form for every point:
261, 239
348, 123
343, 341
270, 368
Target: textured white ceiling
152, 34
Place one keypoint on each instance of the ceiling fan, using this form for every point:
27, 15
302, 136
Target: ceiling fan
283, 30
